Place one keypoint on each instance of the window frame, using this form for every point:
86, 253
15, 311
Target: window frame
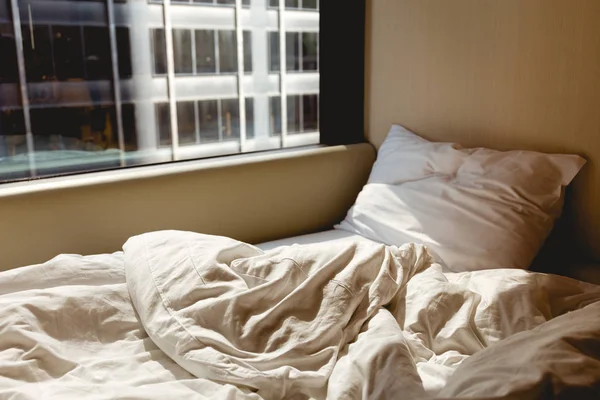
347, 109
342, 60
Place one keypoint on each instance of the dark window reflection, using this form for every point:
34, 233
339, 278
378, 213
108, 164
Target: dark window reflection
275, 115
182, 51
230, 118
309, 4
160, 51
81, 128
129, 127
97, 52
12, 133
310, 46
12, 122
124, 52
227, 51
37, 51
186, 122
208, 115
68, 52
247, 51
293, 114
310, 112
274, 51
249, 118
292, 51
273, 3
291, 3
205, 51
8, 54
163, 120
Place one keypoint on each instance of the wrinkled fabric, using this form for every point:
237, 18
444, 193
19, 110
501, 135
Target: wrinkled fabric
184, 315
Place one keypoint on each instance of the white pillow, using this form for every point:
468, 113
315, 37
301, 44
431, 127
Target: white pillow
476, 208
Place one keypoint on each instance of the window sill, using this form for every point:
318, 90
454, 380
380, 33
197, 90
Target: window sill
157, 170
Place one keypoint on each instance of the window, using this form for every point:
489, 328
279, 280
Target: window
101, 97
302, 51
296, 4
204, 121
302, 114
218, 57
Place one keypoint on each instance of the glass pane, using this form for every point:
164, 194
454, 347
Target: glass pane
310, 112
274, 51
160, 51
163, 117
227, 51
205, 52
68, 52
247, 51
310, 48
186, 122
129, 127
249, 118
208, 114
291, 3
309, 4
230, 119
182, 51
124, 52
292, 50
37, 51
275, 116
293, 114
97, 52
68, 55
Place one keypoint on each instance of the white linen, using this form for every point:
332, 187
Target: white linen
182, 315
475, 208
333, 236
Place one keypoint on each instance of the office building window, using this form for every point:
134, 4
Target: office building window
205, 52
182, 51
302, 51
310, 5
69, 111
205, 121
160, 51
221, 58
302, 114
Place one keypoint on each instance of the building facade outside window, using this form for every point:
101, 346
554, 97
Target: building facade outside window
100, 84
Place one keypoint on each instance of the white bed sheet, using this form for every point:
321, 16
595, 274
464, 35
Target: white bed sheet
69, 328
332, 236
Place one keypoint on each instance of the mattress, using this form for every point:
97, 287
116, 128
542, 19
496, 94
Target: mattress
184, 315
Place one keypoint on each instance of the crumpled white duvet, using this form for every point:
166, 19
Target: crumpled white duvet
181, 315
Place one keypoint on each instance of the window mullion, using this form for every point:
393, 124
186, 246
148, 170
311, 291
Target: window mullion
240, 75
283, 73
114, 58
171, 79
23, 86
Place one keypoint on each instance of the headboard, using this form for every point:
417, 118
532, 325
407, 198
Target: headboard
507, 74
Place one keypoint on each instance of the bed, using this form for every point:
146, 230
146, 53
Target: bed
354, 312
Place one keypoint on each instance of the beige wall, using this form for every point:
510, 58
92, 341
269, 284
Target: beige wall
254, 202
507, 74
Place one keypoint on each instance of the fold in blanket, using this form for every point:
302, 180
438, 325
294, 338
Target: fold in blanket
275, 322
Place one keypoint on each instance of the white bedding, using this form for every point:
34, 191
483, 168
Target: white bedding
182, 315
